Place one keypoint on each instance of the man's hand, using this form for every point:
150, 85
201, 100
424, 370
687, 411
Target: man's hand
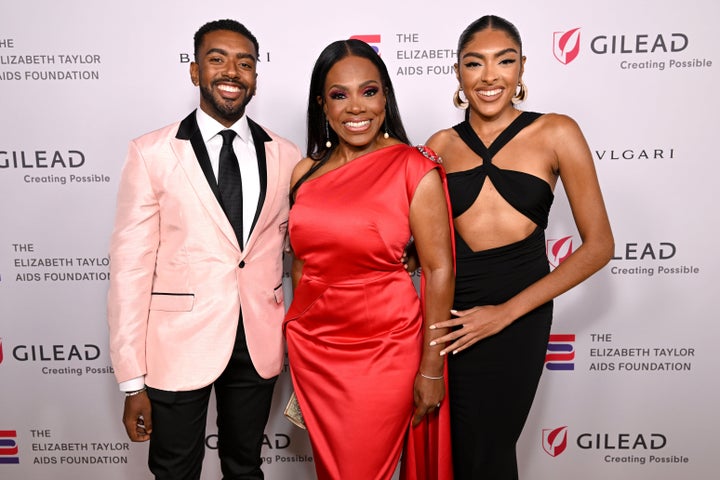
137, 417
410, 258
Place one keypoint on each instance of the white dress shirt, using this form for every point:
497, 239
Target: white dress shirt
247, 158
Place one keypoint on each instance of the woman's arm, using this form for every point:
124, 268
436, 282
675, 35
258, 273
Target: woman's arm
430, 226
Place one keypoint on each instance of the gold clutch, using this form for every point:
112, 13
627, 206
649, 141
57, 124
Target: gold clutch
293, 413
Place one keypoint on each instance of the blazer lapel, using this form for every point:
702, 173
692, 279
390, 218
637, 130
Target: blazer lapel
191, 152
260, 137
189, 130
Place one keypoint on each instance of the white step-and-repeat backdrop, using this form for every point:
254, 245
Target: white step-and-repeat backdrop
631, 386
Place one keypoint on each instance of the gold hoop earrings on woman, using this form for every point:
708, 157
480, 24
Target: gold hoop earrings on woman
521, 93
458, 101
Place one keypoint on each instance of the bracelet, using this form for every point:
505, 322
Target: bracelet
430, 377
134, 392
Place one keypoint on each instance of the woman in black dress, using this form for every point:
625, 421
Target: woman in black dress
503, 165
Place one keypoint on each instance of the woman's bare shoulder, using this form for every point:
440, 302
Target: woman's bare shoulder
441, 138
301, 168
558, 123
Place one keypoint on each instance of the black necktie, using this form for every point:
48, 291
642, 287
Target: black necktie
230, 184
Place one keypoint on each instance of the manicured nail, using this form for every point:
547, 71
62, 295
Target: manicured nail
433, 343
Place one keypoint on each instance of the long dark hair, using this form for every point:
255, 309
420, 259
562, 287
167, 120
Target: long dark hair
332, 54
316, 121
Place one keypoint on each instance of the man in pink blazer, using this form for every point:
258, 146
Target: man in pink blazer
196, 298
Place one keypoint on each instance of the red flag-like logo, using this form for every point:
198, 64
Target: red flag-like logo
554, 440
372, 40
559, 249
8, 447
566, 45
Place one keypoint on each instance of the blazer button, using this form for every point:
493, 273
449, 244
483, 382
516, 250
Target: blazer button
242, 263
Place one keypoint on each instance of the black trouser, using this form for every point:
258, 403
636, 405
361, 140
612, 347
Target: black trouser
177, 443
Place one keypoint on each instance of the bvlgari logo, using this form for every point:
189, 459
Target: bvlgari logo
566, 45
642, 153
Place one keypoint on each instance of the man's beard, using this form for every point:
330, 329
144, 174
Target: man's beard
227, 111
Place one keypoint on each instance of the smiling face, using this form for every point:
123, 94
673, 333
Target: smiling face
489, 71
354, 102
225, 71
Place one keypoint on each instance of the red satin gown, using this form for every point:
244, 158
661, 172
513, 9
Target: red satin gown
354, 328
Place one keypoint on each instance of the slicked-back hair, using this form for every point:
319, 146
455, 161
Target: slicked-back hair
491, 22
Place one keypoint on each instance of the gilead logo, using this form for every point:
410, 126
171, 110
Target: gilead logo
554, 440
558, 249
566, 45
621, 441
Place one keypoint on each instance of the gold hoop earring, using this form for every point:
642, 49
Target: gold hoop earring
521, 93
458, 101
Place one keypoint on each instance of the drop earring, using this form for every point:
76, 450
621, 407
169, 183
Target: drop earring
328, 143
386, 135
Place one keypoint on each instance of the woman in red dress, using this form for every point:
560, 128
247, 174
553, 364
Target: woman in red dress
358, 339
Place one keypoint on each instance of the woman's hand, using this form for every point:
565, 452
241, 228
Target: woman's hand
428, 394
475, 324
